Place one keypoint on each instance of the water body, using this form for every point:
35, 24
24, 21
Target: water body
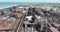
6, 6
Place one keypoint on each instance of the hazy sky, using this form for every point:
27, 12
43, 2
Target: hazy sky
49, 1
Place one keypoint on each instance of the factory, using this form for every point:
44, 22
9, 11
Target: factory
30, 19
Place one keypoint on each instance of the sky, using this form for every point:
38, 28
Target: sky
45, 1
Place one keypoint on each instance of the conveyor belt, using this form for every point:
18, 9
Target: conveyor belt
19, 28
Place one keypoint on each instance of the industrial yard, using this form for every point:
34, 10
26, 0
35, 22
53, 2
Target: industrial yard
30, 19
